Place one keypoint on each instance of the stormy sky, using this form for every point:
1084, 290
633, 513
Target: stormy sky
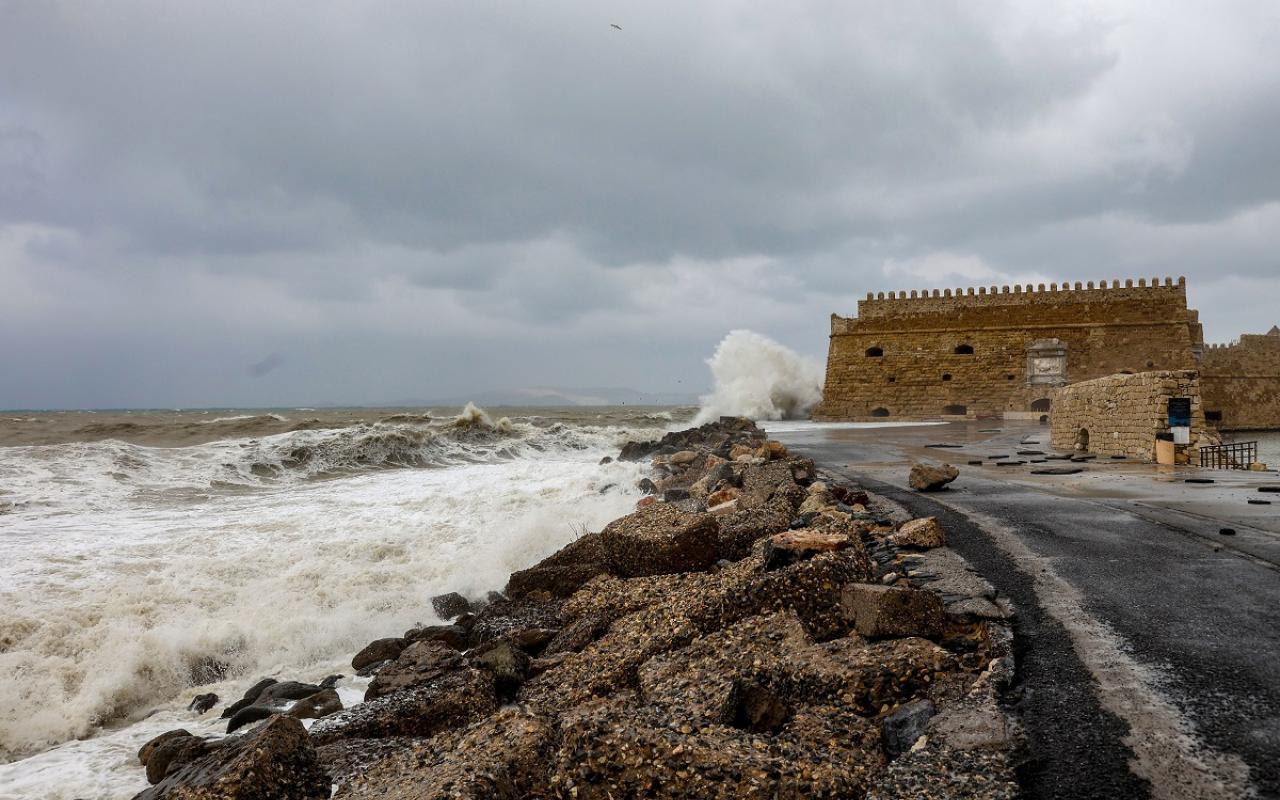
297, 202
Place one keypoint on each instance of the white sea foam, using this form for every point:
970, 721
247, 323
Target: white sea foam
758, 378
128, 573
241, 418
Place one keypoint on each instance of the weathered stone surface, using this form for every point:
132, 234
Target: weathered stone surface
450, 606
421, 662
250, 695
922, 534
556, 581
454, 636
660, 539
783, 549
321, 704
274, 762
892, 611
504, 757
379, 650
931, 477
901, 729
508, 663
449, 700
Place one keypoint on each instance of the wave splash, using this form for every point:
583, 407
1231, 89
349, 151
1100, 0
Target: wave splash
758, 378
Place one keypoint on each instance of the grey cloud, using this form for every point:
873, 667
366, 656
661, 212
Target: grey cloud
382, 187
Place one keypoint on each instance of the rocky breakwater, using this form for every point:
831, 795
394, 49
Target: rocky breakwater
750, 631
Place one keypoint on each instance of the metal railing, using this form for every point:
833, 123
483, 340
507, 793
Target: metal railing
1236, 455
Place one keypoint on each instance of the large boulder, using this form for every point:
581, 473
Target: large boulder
660, 539
932, 477
881, 612
274, 762
450, 606
563, 572
447, 702
420, 662
379, 650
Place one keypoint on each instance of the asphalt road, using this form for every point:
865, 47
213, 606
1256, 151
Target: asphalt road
1148, 644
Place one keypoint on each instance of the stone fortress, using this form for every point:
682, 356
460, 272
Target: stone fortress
1003, 352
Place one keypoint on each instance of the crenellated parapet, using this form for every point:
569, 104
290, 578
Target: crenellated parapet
932, 301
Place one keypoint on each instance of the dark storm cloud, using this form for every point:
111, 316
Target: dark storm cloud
414, 198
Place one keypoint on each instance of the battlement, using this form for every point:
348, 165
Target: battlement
937, 301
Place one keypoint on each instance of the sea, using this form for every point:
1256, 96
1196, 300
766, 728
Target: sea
147, 556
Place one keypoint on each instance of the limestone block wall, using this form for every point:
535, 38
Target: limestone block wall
1241, 383
931, 353
1123, 413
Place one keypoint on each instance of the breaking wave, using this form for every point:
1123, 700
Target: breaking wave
758, 378
101, 475
130, 574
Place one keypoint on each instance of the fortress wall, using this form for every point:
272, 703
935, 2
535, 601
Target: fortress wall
1123, 413
1134, 328
1241, 383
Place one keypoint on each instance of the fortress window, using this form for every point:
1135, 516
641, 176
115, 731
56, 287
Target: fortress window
893, 379
946, 376
880, 412
1150, 364
1126, 372
874, 352
1008, 377
956, 410
964, 350
1040, 405
1213, 416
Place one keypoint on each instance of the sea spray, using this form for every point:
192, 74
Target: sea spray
139, 578
758, 378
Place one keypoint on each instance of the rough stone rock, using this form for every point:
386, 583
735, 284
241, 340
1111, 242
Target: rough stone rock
742, 528
977, 608
772, 450
556, 581
784, 549
609, 750
931, 477
675, 494
421, 662
923, 534
508, 663
739, 451
379, 650
448, 701
902, 728
683, 457
275, 762
758, 709
249, 715
935, 771
250, 695
534, 640
321, 704
850, 497
577, 635
504, 757
203, 702
450, 606
880, 612
174, 752
286, 690
144, 752
454, 636
660, 539
721, 496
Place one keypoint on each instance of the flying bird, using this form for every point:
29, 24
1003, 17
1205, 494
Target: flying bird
615, 25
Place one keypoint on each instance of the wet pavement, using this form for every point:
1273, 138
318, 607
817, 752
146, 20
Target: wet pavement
1149, 642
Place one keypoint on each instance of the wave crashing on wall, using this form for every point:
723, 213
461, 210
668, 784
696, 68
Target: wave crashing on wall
758, 378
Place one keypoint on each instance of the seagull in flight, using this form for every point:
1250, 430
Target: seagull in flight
615, 25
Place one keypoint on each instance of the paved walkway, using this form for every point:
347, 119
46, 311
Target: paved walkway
1149, 643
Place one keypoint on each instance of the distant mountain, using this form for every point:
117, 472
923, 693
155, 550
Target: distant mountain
548, 396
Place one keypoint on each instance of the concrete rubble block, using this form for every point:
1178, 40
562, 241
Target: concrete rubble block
660, 539
882, 612
931, 477
783, 549
449, 701
922, 534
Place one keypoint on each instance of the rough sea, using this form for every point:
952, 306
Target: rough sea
148, 556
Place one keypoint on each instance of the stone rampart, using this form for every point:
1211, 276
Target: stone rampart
1121, 415
1241, 383
978, 352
